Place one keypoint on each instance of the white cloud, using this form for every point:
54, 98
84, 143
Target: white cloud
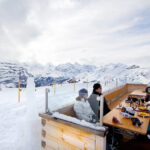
87, 31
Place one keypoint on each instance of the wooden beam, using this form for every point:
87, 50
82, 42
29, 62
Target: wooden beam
43, 121
100, 143
72, 126
43, 133
43, 144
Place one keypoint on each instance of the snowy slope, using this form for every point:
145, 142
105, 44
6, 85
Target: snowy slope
45, 75
20, 125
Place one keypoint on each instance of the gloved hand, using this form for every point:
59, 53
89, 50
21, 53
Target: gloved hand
93, 118
136, 121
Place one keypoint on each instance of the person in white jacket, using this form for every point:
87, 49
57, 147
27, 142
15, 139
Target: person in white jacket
82, 107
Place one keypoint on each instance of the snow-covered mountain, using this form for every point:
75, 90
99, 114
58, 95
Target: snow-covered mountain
45, 75
10, 72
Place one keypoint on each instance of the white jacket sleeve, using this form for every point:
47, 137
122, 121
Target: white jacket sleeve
81, 109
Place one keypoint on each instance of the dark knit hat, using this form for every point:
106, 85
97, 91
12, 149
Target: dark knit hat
96, 86
83, 92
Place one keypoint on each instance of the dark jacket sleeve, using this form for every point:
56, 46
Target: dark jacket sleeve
106, 108
147, 99
147, 90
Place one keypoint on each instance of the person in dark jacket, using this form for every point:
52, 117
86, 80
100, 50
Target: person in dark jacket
95, 103
147, 90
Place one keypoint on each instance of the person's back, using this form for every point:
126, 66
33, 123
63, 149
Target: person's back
82, 107
95, 102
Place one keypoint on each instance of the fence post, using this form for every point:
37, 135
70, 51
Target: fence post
19, 91
101, 109
87, 84
74, 86
54, 85
116, 82
46, 100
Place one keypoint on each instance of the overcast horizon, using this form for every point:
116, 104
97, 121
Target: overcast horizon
96, 32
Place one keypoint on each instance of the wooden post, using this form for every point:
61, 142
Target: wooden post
125, 80
43, 144
87, 84
46, 100
43, 121
43, 133
100, 143
116, 82
19, 91
74, 85
101, 109
54, 85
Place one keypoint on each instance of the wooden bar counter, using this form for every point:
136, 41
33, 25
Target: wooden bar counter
126, 122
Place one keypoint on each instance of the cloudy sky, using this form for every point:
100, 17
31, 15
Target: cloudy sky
84, 31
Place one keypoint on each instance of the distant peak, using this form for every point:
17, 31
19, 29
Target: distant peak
133, 67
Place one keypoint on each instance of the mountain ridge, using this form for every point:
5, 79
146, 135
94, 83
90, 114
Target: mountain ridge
45, 75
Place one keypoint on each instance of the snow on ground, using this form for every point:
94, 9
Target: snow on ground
20, 125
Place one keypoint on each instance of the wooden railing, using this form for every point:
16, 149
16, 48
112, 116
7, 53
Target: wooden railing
118, 92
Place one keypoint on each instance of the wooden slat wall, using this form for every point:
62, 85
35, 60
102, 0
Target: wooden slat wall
115, 92
100, 143
57, 136
132, 87
123, 89
68, 110
117, 101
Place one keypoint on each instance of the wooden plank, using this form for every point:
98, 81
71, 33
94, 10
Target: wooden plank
69, 141
100, 143
68, 137
72, 127
53, 131
43, 122
119, 100
129, 88
79, 141
138, 93
51, 144
43, 144
66, 146
115, 92
43, 133
52, 137
132, 87
68, 110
